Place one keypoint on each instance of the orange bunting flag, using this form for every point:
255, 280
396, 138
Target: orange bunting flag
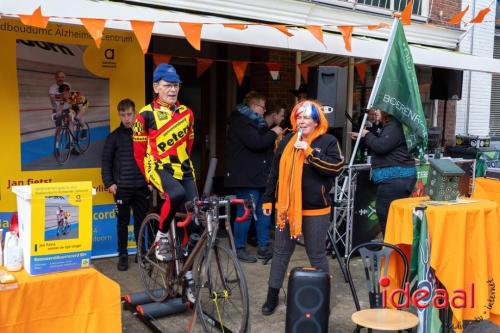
161, 58
378, 26
346, 31
36, 19
406, 14
282, 28
480, 16
361, 70
317, 32
239, 68
143, 31
304, 71
95, 27
235, 26
457, 18
192, 31
202, 65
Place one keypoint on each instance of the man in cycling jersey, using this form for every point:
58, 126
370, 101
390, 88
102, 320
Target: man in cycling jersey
163, 136
59, 218
55, 96
72, 101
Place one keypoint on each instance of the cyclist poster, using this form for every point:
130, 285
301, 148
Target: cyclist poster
64, 108
61, 218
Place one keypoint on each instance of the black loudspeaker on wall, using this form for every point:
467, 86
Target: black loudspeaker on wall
446, 84
328, 85
308, 301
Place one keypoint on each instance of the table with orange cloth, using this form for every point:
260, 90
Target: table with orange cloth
75, 301
486, 188
465, 248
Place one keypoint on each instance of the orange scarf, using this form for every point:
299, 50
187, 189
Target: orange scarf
289, 203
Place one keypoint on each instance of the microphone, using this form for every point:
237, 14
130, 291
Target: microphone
299, 135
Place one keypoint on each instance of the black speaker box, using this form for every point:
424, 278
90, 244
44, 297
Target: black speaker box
446, 84
328, 85
308, 301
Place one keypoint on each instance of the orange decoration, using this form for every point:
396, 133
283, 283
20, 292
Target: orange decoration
304, 71
480, 16
95, 27
192, 31
317, 32
361, 70
239, 68
282, 28
346, 31
161, 58
457, 18
378, 26
235, 26
143, 31
202, 65
36, 19
406, 14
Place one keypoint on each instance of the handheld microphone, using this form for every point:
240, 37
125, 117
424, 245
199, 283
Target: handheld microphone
299, 135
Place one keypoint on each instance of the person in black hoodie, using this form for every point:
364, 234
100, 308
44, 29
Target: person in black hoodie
304, 168
249, 154
393, 168
122, 178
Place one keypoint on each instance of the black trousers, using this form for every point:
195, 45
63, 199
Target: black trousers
390, 190
136, 199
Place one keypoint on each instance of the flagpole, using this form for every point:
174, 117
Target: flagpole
376, 85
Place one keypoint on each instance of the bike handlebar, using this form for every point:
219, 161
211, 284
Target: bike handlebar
246, 212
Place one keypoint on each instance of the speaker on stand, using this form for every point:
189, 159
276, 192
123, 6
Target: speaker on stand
308, 301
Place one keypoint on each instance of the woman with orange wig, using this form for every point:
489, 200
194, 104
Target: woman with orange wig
303, 171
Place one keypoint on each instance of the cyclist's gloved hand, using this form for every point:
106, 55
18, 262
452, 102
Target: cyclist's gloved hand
267, 208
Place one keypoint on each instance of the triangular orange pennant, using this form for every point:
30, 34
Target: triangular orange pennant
406, 14
317, 32
95, 27
480, 16
304, 71
346, 31
239, 68
161, 58
282, 28
378, 26
36, 19
143, 31
192, 31
457, 18
202, 65
361, 70
235, 26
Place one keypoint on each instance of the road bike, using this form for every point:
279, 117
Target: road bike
66, 141
220, 288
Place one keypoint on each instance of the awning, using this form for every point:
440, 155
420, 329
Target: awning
260, 36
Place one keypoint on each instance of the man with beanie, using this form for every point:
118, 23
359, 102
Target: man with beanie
163, 138
123, 179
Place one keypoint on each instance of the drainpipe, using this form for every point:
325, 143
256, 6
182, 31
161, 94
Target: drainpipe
469, 84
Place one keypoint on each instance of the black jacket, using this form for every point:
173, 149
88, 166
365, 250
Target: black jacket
118, 163
389, 147
320, 169
249, 153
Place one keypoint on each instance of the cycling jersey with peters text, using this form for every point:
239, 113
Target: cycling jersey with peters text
163, 139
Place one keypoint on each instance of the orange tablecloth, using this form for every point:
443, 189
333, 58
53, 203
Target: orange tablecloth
488, 189
75, 301
465, 248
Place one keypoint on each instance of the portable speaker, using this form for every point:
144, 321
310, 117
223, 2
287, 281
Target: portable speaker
446, 84
328, 85
308, 301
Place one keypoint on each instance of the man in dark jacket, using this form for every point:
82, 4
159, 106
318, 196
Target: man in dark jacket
249, 154
122, 177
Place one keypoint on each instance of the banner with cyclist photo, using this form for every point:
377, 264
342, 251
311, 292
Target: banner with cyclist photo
60, 94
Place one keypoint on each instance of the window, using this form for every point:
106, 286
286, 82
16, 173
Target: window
420, 7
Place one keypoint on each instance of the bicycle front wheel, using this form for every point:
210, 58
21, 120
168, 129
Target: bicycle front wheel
62, 145
82, 137
222, 292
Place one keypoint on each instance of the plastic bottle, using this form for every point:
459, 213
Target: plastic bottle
13, 253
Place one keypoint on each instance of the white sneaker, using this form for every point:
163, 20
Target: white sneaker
162, 250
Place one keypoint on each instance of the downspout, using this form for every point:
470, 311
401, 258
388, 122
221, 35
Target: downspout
469, 83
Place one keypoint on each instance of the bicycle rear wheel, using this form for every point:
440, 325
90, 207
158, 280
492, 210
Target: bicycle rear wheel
158, 277
62, 145
222, 293
82, 135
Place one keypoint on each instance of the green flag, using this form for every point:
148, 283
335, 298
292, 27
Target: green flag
396, 90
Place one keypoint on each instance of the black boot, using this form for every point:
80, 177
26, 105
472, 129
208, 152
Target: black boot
271, 302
